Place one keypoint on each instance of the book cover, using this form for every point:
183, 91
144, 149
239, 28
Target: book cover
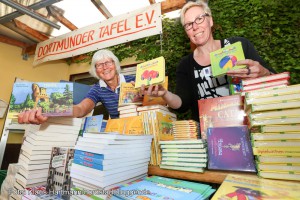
55, 99
283, 75
93, 124
59, 169
149, 100
129, 95
225, 59
156, 191
132, 125
150, 72
253, 187
221, 111
225, 143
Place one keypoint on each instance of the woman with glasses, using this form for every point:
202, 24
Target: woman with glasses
194, 80
105, 66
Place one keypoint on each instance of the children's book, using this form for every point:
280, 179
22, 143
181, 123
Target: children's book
149, 100
93, 124
129, 95
221, 111
128, 125
150, 72
253, 187
55, 98
225, 59
225, 143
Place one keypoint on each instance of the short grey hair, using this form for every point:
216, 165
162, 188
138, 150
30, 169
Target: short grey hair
191, 4
100, 55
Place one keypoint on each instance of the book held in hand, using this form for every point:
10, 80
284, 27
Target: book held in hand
55, 98
225, 59
150, 72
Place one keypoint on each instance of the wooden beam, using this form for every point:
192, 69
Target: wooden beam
59, 17
101, 7
34, 33
171, 5
11, 41
30, 50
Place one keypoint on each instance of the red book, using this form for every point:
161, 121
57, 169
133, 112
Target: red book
221, 111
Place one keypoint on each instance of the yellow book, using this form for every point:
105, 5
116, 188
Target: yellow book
128, 125
129, 95
150, 72
288, 175
276, 151
253, 187
149, 100
278, 167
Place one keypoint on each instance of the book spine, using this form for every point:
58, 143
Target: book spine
89, 154
88, 164
89, 159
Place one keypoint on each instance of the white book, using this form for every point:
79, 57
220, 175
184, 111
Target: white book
275, 114
27, 185
50, 143
132, 106
56, 137
152, 107
36, 157
129, 115
113, 146
31, 151
33, 162
30, 181
185, 150
87, 170
33, 173
284, 120
281, 128
33, 167
277, 167
105, 183
184, 155
117, 141
113, 136
111, 176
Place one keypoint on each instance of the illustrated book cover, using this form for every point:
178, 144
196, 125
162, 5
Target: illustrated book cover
221, 111
93, 124
226, 143
149, 100
253, 187
129, 95
225, 59
150, 72
55, 98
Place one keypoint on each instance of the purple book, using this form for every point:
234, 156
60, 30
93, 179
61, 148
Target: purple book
229, 148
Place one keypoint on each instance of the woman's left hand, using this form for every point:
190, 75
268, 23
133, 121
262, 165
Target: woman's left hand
253, 70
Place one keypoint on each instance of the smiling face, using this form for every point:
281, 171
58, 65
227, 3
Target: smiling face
107, 71
199, 34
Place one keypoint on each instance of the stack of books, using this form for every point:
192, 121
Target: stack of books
157, 122
104, 160
37, 147
128, 111
184, 155
274, 80
156, 187
127, 125
186, 130
274, 119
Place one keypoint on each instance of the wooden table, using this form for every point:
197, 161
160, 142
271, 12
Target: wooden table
208, 176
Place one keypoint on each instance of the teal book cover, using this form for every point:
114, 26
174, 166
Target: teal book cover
156, 191
55, 98
225, 59
93, 124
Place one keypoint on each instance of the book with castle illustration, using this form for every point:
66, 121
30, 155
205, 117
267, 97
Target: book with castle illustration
55, 98
225, 59
150, 73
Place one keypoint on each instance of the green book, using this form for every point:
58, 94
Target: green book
225, 59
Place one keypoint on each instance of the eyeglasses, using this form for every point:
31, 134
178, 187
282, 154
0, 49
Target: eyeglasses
198, 20
101, 65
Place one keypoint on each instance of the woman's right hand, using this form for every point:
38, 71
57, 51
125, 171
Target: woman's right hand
32, 117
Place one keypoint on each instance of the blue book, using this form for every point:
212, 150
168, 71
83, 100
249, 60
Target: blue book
89, 159
87, 164
156, 191
92, 155
93, 124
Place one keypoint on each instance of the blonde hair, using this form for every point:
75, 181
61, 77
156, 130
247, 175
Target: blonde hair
191, 4
100, 55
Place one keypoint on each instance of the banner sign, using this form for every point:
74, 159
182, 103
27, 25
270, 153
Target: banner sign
117, 30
